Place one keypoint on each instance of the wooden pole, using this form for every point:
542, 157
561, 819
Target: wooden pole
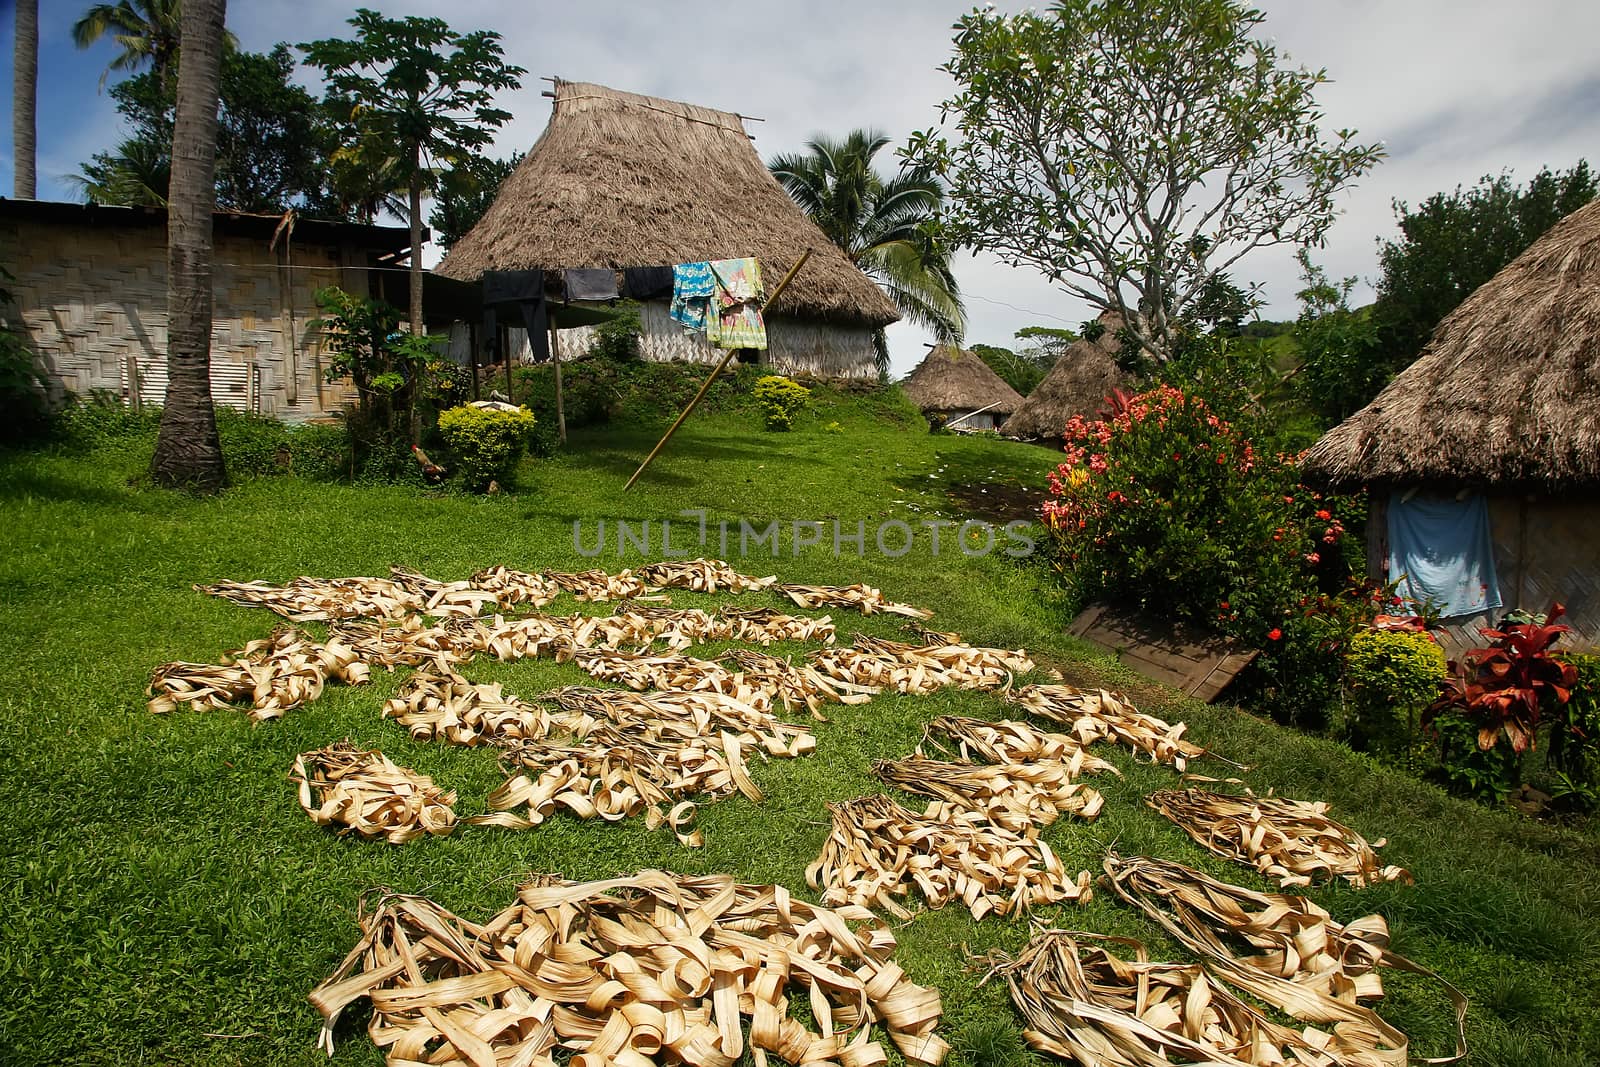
555, 353
654, 452
472, 355
511, 392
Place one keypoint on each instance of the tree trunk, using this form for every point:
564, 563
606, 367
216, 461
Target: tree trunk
418, 327
24, 96
188, 453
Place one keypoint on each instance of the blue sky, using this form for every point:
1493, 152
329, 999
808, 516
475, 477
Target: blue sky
1456, 88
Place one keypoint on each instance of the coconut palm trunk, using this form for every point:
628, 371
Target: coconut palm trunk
417, 325
24, 96
188, 453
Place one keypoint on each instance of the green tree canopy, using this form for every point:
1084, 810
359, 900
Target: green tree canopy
464, 192
1132, 150
145, 32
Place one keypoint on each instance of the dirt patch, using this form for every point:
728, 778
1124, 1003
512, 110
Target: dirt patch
997, 502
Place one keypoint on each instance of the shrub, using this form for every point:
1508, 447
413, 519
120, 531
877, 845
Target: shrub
1575, 737
617, 339
1391, 676
487, 443
256, 446
101, 417
781, 400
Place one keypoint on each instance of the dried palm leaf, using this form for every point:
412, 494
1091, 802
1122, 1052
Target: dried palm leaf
445, 599
918, 669
1103, 716
1284, 950
512, 588
877, 850
1009, 741
272, 675
528, 637
679, 715
439, 704
654, 968
1083, 1003
598, 585
793, 685
701, 575
405, 643
322, 599
764, 626
1016, 796
666, 672
863, 598
362, 792
1290, 841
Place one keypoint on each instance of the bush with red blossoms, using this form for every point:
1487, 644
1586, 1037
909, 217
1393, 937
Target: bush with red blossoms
1164, 505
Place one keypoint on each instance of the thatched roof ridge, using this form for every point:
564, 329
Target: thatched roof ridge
1507, 392
623, 180
1083, 376
950, 379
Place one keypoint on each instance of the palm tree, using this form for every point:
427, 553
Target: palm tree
24, 96
885, 225
147, 31
137, 174
188, 453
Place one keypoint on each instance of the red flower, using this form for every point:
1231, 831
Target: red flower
1324, 514
1224, 605
1274, 634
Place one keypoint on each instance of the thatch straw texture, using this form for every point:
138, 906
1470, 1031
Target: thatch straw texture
1078, 384
622, 180
951, 380
1505, 395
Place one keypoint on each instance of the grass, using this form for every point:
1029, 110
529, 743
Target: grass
166, 901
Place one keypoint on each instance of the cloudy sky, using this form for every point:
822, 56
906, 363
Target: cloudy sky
1456, 88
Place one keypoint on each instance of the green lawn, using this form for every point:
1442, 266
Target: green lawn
161, 886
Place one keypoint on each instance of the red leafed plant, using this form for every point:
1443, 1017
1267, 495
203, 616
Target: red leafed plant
1506, 687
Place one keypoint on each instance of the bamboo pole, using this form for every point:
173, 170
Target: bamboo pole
555, 353
654, 452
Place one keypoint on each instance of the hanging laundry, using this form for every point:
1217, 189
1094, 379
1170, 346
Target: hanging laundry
692, 289
646, 283
591, 283
736, 321
522, 290
1441, 553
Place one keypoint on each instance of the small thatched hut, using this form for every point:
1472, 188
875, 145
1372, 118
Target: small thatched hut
620, 180
1078, 383
1499, 416
951, 384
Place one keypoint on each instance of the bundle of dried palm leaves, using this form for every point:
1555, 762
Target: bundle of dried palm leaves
764, 626
654, 968
1009, 741
919, 669
1284, 950
322, 599
1017, 796
793, 685
437, 703
877, 850
512, 587
527, 637
1083, 1003
701, 575
1103, 716
362, 792
680, 715
445, 599
1291, 841
672, 671
863, 598
272, 675
406, 642
596, 584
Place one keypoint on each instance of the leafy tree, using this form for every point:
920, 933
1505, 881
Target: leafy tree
885, 225
146, 31
188, 452
24, 97
1132, 150
465, 192
1020, 373
419, 96
1342, 365
1454, 242
272, 140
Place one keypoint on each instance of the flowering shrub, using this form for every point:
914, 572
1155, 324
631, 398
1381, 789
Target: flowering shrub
1165, 504
781, 400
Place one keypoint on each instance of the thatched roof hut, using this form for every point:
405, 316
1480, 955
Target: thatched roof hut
1499, 416
950, 383
1083, 376
1507, 392
622, 180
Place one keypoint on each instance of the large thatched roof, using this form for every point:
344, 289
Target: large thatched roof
622, 180
1507, 392
950, 379
1083, 376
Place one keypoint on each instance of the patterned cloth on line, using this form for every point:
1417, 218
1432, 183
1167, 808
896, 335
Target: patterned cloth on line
692, 289
736, 321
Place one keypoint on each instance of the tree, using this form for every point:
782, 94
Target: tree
188, 452
24, 97
1131, 150
1341, 363
464, 193
146, 31
885, 225
1454, 242
419, 96
272, 136
1016, 369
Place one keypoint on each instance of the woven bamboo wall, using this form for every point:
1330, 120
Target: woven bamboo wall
1545, 549
94, 304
